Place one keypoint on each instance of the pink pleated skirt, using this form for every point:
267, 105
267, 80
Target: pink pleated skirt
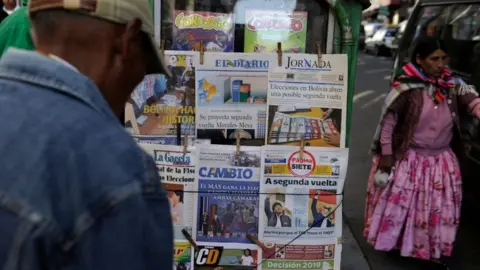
418, 212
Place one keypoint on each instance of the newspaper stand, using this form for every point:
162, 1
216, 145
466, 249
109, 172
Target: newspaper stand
279, 53
341, 22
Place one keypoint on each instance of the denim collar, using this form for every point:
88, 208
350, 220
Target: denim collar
33, 68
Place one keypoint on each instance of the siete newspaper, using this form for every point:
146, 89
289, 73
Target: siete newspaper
301, 191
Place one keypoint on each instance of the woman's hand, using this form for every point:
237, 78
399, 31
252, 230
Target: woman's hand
332, 139
327, 113
386, 163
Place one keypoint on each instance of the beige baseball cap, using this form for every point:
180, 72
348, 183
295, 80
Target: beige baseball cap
117, 11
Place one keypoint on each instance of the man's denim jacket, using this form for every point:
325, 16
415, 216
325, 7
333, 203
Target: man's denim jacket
76, 192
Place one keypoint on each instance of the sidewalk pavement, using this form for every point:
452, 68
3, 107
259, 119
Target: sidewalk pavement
352, 255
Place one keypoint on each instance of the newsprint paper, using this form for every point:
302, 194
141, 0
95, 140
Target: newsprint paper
308, 99
301, 192
325, 254
231, 94
228, 185
177, 173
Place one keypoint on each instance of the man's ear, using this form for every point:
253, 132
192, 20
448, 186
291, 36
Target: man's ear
132, 32
418, 60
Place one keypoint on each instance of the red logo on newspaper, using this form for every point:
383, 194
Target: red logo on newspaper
301, 167
260, 23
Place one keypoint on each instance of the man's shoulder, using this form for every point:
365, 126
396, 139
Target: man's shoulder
98, 141
60, 128
60, 151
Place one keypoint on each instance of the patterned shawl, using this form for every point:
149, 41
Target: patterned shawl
412, 78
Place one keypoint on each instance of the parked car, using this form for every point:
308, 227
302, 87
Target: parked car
457, 23
381, 43
361, 37
372, 27
398, 37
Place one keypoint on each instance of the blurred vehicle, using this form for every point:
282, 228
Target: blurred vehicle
457, 23
381, 43
372, 27
398, 37
361, 37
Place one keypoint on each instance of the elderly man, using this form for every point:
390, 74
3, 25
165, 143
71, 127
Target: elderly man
76, 192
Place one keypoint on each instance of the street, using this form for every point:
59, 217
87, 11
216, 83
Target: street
372, 80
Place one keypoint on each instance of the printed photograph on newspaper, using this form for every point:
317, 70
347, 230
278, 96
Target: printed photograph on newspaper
177, 173
324, 255
233, 257
308, 99
163, 109
232, 95
182, 256
227, 201
301, 191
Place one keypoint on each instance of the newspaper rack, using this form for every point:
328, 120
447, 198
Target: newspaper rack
279, 53
162, 48
237, 143
302, 147
256, 241
201, 50
319, 52
301, 140
189, 238
185, 143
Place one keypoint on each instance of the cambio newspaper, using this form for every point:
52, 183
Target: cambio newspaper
301, 192
227, 203
177, 173
308, 98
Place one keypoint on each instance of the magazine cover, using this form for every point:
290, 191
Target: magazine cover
229, 257
161, 109
182, 256
265, 28
216, 30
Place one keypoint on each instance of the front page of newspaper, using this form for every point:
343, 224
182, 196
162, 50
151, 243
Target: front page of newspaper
177, 173
235, 257
182, 256
231, 94
162, 109
323, 255
301, 192
307, 98
228, 185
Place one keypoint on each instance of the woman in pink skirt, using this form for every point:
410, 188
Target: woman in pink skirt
415, 187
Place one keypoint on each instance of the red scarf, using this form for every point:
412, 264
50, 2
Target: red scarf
412, 74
